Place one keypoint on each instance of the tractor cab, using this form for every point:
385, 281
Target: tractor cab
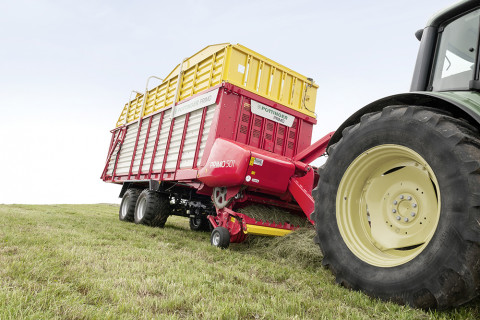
448, 55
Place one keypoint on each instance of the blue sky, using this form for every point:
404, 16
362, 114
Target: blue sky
67, 67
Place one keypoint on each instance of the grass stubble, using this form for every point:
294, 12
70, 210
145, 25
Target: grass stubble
81, 262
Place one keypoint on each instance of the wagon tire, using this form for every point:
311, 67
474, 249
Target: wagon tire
199, 223
152, 208
220, 237
127, 206
396, 208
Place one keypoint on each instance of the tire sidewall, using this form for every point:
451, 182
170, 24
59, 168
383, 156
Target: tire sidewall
156, 208
129, 199
142, 197
437, 151
123, 204
224, 237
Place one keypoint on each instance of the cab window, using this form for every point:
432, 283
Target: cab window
456, 54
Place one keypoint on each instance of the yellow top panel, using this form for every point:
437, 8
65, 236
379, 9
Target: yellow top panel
235, 64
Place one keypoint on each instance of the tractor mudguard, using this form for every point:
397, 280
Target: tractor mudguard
461, 104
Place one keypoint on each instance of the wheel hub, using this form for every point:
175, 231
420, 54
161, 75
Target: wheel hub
405, 209
141, 208
125, 206
388, 205
219, 197
216, 239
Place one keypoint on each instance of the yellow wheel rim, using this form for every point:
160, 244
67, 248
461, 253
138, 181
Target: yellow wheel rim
388, 205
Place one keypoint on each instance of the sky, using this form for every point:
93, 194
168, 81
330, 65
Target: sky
67, 68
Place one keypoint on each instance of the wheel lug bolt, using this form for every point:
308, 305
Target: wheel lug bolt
394, 211
406, 220
412, 214
409, 198
398, 218
401, 197
414, 205
395, 202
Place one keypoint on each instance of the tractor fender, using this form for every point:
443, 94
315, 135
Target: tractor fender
461, 104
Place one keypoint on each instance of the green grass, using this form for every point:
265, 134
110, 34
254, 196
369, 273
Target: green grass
81, 262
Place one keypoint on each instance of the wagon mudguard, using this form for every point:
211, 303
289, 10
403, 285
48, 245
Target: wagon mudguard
462, 104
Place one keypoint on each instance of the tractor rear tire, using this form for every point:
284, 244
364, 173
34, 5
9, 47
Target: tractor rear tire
220, 237
397, 208
152, 208
127, 206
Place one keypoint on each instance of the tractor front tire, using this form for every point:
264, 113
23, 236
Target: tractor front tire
127, 206
152, 208
397, 208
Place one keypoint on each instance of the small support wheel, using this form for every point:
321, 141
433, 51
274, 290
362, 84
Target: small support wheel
220, 237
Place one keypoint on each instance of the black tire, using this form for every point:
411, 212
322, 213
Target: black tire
127, 206
199, 223
446, 272
152, 208
220, 237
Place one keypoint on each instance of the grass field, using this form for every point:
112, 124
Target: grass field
81, 262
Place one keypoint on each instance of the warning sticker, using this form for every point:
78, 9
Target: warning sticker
258, 162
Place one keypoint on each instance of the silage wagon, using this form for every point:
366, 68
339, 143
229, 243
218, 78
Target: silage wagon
226, 128
396, 206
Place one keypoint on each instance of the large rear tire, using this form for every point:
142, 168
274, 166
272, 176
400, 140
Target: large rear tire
397, 208
152, 208
127, 206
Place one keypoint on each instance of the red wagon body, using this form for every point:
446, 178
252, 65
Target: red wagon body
228, 143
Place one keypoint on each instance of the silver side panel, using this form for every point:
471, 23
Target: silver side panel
126, 152
141, 144
206, 130
151, 143
111, 162
189, 147
175, 142
191, 138
162, 141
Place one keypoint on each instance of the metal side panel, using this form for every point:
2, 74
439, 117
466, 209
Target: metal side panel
113, 157
126, 153
162, 142
151, 143
141, 144
191, 138
206, 130
111, 163
175, 143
